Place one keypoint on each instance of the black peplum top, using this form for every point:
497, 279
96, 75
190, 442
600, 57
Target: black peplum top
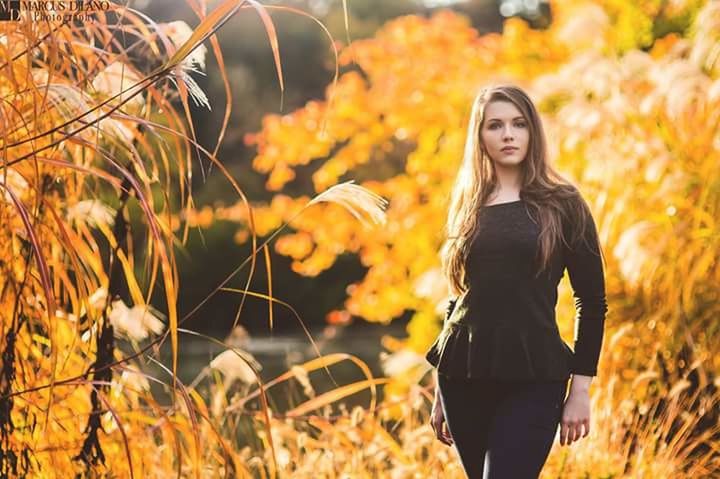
503, 326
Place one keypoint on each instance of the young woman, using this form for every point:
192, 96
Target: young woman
514, 226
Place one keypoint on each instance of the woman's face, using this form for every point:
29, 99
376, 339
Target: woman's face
505, 133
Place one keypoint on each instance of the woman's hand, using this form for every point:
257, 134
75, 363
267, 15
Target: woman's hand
437, 421
575, 423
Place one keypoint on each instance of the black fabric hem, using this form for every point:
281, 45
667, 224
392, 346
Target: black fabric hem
500, 352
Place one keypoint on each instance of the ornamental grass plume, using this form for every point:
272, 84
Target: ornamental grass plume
92, 212
132, 378
12, 180
357, 200
137, 322
180, 32
114, 79
233, 364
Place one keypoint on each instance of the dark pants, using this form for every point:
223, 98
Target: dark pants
502, 430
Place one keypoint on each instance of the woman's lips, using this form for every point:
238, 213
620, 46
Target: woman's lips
509, 149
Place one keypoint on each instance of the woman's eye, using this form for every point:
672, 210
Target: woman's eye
495, 126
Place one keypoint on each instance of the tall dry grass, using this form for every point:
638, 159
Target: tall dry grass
95, 124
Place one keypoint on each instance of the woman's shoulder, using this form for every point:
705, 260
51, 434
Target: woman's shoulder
574, 211
571, 201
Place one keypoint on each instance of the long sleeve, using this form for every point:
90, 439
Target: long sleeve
433, 354
585, 270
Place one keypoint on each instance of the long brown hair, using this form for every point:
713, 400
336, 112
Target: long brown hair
544, 191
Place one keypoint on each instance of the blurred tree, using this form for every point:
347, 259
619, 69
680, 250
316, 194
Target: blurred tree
308, 67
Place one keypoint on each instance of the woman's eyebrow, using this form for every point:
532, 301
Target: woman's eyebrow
498, 119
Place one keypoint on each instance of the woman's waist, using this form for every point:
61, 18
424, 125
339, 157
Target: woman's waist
518, 317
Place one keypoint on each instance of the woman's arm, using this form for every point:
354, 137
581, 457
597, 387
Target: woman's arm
585, 270
580, 384
432, 355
